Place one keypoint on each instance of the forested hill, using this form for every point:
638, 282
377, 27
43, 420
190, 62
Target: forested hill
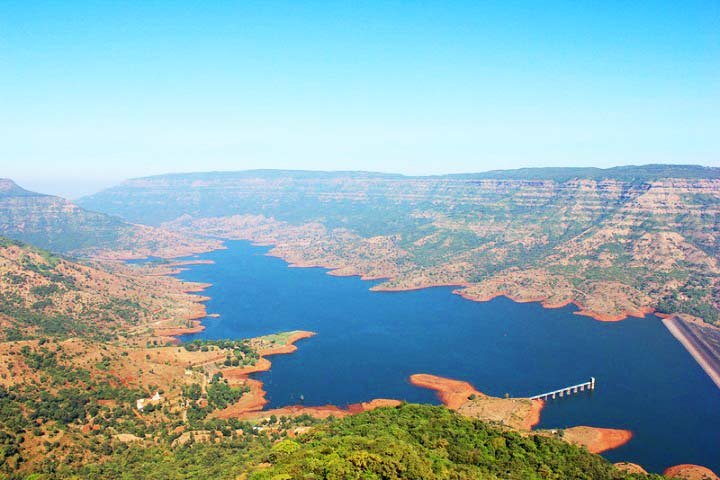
45, 296
410, 442
59, 225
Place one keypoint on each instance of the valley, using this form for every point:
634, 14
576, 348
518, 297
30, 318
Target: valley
544, 234
94, 315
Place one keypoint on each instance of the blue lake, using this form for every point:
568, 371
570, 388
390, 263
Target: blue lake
369, 343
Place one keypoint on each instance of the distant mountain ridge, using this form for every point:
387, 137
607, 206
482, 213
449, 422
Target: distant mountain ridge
627, 172
56, 224
618, 241
8, 188
166, 197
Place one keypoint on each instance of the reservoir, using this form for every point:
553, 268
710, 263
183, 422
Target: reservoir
369, 343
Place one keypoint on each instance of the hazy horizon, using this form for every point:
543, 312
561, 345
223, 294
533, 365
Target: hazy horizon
75, 189
94, 93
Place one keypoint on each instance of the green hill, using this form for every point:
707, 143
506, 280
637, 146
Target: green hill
410, 442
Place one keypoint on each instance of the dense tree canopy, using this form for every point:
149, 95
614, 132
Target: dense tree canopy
408, 442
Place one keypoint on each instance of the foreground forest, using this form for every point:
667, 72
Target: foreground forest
406, 442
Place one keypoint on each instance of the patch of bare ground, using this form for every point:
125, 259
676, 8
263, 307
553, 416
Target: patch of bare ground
453, 393
520, 414
628, 467
597, 440
319, 412
603, 301
690, 472
517, 413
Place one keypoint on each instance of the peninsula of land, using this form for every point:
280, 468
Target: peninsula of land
521, 414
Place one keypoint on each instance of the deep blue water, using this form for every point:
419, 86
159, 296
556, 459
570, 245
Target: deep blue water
369, 343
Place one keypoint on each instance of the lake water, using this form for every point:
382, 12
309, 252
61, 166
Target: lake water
369, 343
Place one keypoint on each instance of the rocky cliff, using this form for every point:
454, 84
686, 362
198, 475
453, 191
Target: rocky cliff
56, 224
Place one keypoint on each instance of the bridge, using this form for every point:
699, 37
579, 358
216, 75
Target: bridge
561, 392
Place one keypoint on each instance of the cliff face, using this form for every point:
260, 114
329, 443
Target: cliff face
621, 242
56, 224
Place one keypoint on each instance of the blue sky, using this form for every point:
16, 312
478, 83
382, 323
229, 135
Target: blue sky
95, 92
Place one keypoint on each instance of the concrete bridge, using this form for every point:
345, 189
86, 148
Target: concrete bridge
561, 392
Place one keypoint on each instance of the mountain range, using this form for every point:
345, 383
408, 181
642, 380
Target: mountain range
619, 241
93, 385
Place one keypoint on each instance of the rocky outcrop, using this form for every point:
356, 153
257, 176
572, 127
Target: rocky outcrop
690, 472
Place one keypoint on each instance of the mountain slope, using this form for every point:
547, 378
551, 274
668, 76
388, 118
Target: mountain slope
56, 224
72, 340
43, 295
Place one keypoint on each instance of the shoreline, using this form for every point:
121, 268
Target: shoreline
351, 271
251, 406
348, 270
703, 355
596, 439
520, 414
543, 301
197, 312
461, 396
255, 399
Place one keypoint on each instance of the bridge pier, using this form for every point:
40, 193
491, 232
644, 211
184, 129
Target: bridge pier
561, 392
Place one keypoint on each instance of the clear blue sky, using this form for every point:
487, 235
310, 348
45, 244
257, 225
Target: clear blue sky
94, 92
